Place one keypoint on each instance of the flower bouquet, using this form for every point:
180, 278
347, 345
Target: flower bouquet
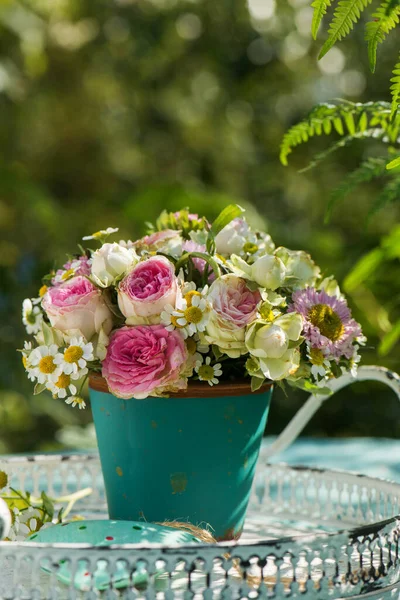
181, 334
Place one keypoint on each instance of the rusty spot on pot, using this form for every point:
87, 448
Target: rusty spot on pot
119, 471
102, 409
125, 497
229, 473
179, 482
154, 424
229, 412
179, 430
240, 421
229, 430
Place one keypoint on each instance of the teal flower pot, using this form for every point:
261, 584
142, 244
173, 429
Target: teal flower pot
190, 457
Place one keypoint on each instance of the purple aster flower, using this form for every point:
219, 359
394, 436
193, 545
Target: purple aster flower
328, 323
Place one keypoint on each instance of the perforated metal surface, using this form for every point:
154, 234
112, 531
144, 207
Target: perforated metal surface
314, 533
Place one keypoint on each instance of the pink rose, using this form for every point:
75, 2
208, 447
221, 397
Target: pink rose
146, 289
145, 360
77, 306
234, 307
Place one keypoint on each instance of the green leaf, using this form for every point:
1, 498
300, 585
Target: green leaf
365, 267
390, 339
225, 217
395, 89
347, 13
320, 7
393, 163
389, 194
256, 383
47, 334
39, 388
308, 386
47, 505
384, 19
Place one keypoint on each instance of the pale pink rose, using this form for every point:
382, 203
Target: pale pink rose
234, 306
146, 289
77, 306
145, 360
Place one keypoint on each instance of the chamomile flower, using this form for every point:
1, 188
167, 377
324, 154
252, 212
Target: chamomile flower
168, 318
42, 363
30, 521
194, 314
76, 356
208, 373
76, 401
63, 385
103, 233
320, 364
32, 317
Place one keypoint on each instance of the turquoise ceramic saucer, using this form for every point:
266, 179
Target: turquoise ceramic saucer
108, 533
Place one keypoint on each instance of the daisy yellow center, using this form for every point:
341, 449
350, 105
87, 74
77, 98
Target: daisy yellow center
191, 345
327, 321
31, 318
97, 234
63, 381
42, 291
174, 321
73, 354
206, 372
3, 480
46, 365
317, 357
79, 401
193, 314
67, 274
189, 296
24, 361
250, 248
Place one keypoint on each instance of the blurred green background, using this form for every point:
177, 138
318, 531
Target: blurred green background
112, 110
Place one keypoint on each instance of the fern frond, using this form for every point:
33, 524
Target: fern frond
342, 143
320, 7
370, 169
395, 88
347, 118
346, 15
391, 5
377, 29
389, 194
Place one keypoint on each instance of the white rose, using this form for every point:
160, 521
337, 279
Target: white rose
269, 343
299, 267
110, 262
268, 272
231, 239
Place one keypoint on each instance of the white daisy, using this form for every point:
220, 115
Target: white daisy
208, 373
63, 385
63, 275
194, 314
76, 356
32, 317
168, 318
30, 520
103, 233
320, 365
42, 363
76, 401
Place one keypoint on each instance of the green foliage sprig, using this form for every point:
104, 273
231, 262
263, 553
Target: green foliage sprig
347, 13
